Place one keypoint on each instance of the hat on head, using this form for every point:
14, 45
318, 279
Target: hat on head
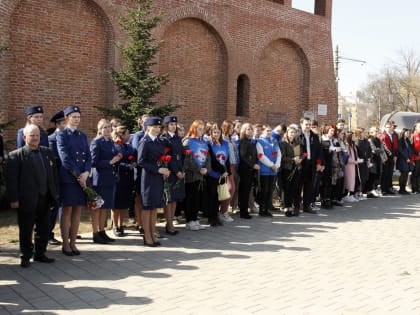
57, 117
34, 109
153, 121
169, 119
71, 109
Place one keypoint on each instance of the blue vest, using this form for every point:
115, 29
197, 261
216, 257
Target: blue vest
199, 150
221, 152
269, 146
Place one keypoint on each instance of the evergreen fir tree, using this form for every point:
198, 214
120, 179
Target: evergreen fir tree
136, 83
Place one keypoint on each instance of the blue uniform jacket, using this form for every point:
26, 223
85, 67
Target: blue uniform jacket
20, 142
151, 181
136, 139
102, 151
52, 143
74, 153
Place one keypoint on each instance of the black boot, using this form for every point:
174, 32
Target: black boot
97, 238
106, 237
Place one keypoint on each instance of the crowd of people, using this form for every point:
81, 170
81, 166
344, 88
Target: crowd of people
183, 171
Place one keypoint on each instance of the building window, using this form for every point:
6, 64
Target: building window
242, 96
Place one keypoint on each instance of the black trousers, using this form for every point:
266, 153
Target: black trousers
212, 198
415, 177
53, 220
266, 194
386, 180
308, 186
245, 184
291, 188
193, 200
41, 220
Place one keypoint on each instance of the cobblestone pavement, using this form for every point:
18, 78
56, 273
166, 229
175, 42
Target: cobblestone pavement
363, 258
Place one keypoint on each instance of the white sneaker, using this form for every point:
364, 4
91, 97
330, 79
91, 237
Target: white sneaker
350, 198
192, 226
236, 211
198, 225
225, 217
373, 192
315, 207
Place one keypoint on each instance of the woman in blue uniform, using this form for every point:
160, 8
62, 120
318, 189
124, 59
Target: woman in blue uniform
74, 153
151, 149
176, 179
220, 170
105, 158
125, 185
35, 116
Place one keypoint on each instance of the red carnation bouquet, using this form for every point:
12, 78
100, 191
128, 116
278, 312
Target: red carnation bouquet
94, 200
163, 161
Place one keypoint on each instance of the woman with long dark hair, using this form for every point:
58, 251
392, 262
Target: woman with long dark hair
176, 189
404, 159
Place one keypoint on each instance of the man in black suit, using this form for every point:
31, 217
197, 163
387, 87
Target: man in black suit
311, 164
32, 185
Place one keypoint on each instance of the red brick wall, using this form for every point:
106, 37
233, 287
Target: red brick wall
62, 50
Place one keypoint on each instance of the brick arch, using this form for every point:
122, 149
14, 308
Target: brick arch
282, 76
195, 12
62, 53
190, 46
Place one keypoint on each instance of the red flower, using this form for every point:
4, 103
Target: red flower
119, 142
188, 152
318, 161
167, 150
167, 159
197, 155
131, 157
305, 154
205, 152
260, 155
274, 154
223, 158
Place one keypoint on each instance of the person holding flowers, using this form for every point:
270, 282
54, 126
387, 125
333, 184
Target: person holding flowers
269, 158
76, 162
125, 184
176, 184
195, 170
153, 161
248, 168
220, 170
105, 158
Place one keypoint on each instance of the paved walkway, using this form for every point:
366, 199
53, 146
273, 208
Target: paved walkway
359, 259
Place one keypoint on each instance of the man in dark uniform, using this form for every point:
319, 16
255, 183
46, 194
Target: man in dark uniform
60, 124
31, 183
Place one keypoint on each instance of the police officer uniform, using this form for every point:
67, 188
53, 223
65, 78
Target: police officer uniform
31, 110
73, 150
105, 175
176, 150
149, 152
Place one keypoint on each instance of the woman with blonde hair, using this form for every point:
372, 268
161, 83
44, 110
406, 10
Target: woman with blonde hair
105, 159
248, 168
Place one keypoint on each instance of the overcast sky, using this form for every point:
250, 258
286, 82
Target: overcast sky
370, 30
